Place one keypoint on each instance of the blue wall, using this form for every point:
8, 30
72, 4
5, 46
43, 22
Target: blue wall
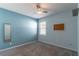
68, 37
24, 28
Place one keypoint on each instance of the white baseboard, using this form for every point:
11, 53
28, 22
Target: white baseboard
57, 45
17, 46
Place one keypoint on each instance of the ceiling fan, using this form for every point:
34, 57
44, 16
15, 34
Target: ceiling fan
39, 9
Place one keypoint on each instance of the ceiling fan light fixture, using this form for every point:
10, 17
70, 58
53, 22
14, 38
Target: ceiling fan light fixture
40, 10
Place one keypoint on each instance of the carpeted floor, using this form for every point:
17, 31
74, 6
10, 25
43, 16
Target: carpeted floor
38, 49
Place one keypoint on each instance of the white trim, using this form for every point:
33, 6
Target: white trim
58, 45
17, 46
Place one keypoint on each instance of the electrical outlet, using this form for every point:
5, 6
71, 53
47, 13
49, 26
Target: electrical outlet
10, 43
70, 44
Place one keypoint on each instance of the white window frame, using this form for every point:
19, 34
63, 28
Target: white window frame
42, 28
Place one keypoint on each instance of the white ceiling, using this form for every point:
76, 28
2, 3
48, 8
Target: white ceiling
29, 10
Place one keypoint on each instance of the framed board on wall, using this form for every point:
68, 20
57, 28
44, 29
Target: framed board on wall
59, 26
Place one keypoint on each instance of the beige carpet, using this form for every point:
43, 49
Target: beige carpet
38, 49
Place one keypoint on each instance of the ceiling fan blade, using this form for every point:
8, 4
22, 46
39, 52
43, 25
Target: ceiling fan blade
45, 11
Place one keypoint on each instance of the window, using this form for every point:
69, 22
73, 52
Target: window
43, 28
